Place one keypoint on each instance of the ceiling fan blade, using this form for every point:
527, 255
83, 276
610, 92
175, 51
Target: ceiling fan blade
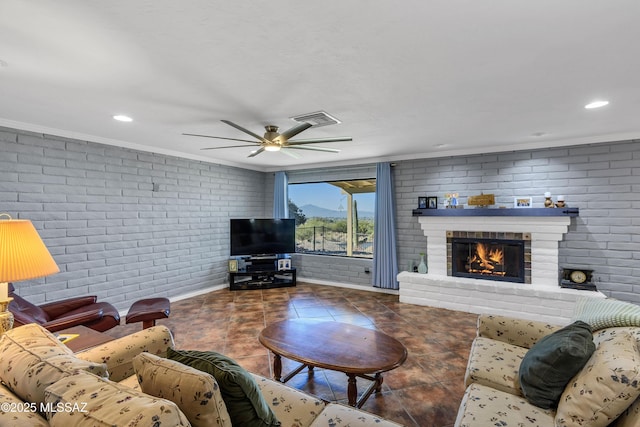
328, 150
318, 140
289, 153
248, 132
227, 146
221, 137
290, 133
255, 153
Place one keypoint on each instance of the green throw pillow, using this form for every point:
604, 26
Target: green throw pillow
549, 365
241, 395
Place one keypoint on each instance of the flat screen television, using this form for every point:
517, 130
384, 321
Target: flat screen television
262, 236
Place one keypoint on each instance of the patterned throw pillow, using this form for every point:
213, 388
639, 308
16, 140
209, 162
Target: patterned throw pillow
606, 313
196, 393
606, 386
241, 394
86, 400
32, 358
548, 366
630, 417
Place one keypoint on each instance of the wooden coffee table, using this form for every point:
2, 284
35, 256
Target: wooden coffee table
354, 350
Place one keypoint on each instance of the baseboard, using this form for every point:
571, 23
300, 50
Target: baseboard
348, 286
199, 292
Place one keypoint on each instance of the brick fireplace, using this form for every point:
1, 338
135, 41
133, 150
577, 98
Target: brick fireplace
538, 296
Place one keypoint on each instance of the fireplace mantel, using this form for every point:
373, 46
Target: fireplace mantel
542, 299
520, 212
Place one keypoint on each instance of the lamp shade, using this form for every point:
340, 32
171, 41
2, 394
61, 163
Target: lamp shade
23, 255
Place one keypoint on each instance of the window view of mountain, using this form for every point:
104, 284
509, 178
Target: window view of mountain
313, 211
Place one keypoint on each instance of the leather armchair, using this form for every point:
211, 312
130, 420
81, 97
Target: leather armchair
58, 315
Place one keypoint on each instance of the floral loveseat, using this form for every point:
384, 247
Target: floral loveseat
130, 382
604, 391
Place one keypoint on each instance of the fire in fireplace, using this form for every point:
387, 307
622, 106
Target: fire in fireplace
488, 258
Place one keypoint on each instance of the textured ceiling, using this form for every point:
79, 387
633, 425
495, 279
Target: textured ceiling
407, 79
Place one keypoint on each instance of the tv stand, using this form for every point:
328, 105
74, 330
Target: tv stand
258, 278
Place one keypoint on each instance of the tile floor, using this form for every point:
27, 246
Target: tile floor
424, 391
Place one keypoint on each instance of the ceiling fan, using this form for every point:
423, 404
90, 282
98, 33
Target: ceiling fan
274, 141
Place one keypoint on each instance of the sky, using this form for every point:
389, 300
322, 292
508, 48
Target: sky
328, 196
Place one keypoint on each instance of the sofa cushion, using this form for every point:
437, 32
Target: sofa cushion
131, 382
32, 358
630, 417
37, 339
550, 364
119, 353
292, 407
520, 332
244, 402
605, 387
13, 411
485, 406
606, 313
495, 364
91, 401
336, 415
196, 393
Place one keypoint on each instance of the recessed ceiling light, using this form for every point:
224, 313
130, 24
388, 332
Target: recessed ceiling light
440, 145
596, 104
122, 118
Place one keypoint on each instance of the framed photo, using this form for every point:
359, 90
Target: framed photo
522, 202
432, 203
284, 264
422, 203
233, 265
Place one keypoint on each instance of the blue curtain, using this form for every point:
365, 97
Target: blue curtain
280, 196
385, 260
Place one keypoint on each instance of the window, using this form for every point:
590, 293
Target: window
334, 218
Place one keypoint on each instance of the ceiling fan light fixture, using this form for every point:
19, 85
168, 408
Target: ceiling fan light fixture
274, 141
596, 104
122, 118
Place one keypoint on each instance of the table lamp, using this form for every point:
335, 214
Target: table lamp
23, 256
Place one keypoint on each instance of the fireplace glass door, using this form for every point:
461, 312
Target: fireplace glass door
489, 259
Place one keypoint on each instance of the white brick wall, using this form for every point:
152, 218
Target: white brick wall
109, 232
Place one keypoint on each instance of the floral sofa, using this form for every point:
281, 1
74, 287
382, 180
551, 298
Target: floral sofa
601, 390
131, 382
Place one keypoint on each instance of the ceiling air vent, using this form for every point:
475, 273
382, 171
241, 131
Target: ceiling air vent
317, 119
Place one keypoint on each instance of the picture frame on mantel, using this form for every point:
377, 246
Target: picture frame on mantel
432, 203
422, 203
522, 202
